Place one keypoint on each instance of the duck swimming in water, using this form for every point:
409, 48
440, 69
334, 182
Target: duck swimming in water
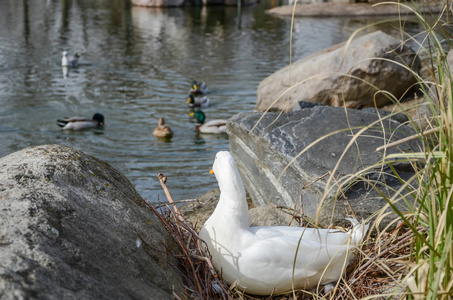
199, 88
261, 260
162, 130
69, 62
198, 101
212, 126
79, 123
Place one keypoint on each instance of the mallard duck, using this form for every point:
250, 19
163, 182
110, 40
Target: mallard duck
213, 126
162, 130
198, 101
260, 260
78, 123
199, 88
72, 62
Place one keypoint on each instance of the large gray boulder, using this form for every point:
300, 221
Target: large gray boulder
265, 154
72, 227
320, 77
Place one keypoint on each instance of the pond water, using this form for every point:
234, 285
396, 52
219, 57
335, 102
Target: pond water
137, 65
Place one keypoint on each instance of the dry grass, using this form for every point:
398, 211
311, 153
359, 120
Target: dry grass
201, 281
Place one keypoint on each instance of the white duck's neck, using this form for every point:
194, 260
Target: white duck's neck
232, 204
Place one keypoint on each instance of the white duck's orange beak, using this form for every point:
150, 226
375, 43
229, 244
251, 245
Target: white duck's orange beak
211, 172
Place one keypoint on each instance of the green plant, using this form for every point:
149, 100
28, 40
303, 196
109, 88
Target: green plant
431, 260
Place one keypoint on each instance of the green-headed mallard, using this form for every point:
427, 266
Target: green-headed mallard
198, 88
213, 126
79, 123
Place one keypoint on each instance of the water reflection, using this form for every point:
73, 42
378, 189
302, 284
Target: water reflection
65, 71
137, 65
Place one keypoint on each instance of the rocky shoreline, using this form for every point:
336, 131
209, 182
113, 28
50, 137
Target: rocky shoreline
351, 9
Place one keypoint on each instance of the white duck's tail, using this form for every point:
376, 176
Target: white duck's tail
359, 231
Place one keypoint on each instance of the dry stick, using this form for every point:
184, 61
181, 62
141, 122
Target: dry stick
178, 240
178, 202
163, 180
344, 197
295, 211
409, 138
318, 179
208, 262
177, 214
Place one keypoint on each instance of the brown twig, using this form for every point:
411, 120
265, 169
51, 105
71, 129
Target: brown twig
313, 182
293, 216
402, 240
201, 279
174, 209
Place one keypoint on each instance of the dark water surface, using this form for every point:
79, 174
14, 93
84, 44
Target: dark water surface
136, 66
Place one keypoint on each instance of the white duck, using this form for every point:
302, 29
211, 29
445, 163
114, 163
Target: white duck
261, 259
69, 62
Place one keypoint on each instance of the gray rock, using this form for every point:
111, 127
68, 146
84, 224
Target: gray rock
200, 209
321, 77
305, 104
72, 227
342, 8
264, 156
269, 215
400, 117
